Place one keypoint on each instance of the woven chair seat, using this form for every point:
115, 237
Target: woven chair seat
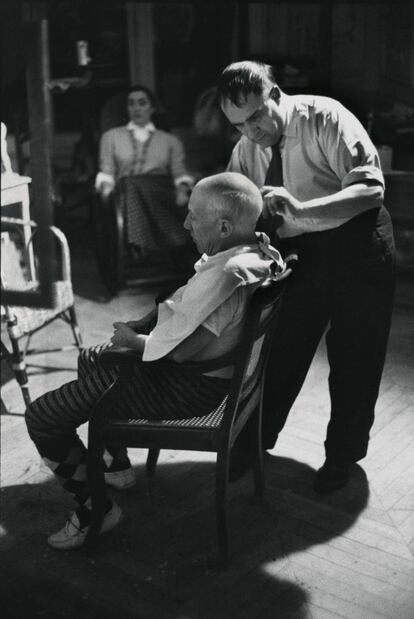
211, 421
29, 319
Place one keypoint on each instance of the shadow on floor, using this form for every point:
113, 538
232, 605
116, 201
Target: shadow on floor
158, 562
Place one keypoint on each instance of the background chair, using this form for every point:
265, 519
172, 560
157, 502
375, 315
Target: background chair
215, 432
23, 322
154, 196
142, 209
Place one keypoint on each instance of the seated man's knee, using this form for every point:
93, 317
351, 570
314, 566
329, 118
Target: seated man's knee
88, 358
31, 419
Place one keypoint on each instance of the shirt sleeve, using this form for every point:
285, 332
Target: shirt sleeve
229, 312
107, 163
177, 161
349, 150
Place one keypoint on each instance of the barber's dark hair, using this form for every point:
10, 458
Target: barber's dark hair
147, 91
239, 79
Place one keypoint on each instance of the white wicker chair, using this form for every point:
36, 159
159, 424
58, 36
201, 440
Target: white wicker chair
23, 322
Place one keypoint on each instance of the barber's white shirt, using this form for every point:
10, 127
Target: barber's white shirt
324, 149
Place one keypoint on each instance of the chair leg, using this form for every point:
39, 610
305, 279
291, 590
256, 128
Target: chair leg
75, 327
257, 453
222, 468
16, 360
96, 480
152, 460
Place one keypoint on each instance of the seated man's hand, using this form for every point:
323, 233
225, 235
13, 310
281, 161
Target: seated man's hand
136, 325
126, 337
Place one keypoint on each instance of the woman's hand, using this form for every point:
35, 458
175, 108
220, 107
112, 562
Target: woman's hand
105, 190
278, 201
126, 337
182, 194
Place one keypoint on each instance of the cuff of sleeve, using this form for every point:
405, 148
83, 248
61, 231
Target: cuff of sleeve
103, 177
361, 174
184, 178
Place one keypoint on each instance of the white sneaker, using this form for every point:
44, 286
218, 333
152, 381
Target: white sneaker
72, 536
121, 480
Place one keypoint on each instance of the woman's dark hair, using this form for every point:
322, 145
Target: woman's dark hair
147, 91
159, 117
239, 79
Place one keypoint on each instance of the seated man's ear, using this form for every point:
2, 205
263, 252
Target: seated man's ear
275, 93
225, 228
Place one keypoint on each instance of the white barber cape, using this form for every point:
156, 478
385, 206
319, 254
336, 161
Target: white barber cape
215, 279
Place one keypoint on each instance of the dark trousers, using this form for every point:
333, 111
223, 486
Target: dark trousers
343, 283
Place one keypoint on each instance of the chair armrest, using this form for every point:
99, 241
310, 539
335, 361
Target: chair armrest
65, 253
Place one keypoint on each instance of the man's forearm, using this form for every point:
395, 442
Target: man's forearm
348, 202
138, 342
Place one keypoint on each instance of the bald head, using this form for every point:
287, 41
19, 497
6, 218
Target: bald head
223, 211
232, 196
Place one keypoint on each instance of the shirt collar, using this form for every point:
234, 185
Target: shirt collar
141, 133
290, 129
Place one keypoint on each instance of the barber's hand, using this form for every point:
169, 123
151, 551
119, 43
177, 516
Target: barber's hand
124, 336
278, 201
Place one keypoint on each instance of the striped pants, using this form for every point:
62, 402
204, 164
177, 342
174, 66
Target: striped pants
154, 392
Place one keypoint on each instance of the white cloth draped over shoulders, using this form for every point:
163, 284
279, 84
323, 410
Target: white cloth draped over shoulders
215, 280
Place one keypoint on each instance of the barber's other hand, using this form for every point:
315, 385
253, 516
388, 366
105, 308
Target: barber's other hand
278, 201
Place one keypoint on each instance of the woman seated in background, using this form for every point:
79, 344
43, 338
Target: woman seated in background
143, 168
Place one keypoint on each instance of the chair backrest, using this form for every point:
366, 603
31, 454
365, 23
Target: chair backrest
252, 354
15, 254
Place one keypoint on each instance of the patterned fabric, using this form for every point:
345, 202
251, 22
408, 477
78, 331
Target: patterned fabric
156, 390
152, 220
213, 420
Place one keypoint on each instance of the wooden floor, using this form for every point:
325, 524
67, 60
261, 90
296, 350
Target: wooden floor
294, 554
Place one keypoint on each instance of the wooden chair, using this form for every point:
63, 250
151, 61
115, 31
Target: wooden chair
22, 322
215, 432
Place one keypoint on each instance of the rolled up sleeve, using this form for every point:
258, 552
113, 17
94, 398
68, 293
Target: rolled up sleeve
351, 154
107, 163
178, 166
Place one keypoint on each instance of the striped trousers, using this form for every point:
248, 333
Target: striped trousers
154, 392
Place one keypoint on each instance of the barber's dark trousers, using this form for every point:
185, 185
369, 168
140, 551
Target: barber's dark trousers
343, 283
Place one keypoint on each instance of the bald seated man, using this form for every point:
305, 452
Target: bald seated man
200, 321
